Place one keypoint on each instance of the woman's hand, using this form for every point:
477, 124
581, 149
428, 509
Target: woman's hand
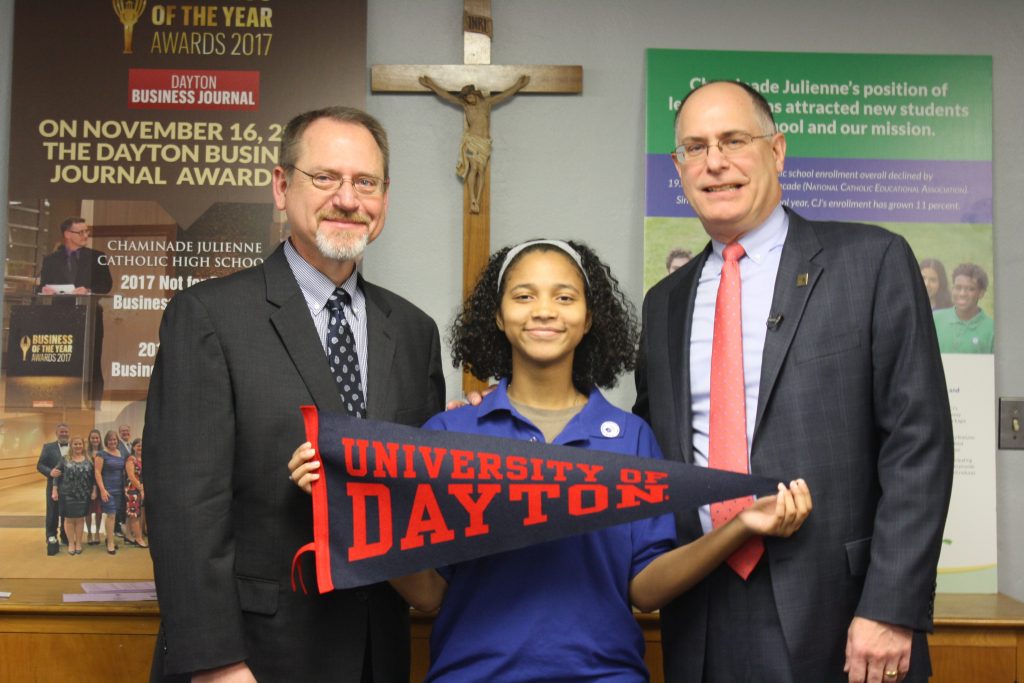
781, 515
53, 493
302, 469
104, 495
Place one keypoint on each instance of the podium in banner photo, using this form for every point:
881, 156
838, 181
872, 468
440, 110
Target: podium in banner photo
53, 352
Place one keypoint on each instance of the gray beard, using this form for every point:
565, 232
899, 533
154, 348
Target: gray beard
347, 251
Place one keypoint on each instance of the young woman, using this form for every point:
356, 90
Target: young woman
548, 319
936, 283
94, 445
74, 489
135, 495
110, 480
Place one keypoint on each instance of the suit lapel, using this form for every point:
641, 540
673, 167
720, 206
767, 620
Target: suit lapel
798, 274
380, 344
295, 327
680, 322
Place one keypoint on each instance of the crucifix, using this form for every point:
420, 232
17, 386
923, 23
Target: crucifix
474, 80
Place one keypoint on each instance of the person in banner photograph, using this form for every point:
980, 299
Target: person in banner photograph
74, 268
548, 319
935, 283
676, 259
966, 328
75, 264
74, 490
110, 482
792, 348
238, 357
50, 465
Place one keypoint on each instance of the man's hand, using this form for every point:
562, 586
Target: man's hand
55, 472
81, 290
302, 469
875, 649
232, 673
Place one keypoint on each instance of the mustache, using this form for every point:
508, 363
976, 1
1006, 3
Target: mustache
349, 216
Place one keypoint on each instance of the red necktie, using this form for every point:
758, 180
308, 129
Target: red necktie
728, 430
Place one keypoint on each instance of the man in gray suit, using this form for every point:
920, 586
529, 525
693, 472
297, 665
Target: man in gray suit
238, 357
843, 386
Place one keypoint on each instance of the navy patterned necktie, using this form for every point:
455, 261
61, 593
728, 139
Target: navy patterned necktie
341, 355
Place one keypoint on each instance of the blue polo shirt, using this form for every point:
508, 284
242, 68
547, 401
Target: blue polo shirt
557, 611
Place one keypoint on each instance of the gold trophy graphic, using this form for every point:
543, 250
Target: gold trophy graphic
26, 344
128, 11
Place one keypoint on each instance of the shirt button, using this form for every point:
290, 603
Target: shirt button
533, 438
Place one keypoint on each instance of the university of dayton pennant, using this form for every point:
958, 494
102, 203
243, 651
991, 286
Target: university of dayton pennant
393, 500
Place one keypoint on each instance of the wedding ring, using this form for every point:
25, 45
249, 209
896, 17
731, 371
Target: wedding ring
892, 674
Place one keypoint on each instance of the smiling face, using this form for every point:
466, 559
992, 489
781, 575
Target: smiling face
111, 442
543, 310
63, 432
730, 194
95, 440
966, 295
331, 229
77, 446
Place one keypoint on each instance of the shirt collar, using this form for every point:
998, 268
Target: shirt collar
316, 287
597, 420
757, 243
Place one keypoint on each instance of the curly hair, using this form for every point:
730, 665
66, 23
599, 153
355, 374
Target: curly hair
973, 271
605, 352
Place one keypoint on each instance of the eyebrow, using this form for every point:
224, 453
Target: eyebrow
720, 136
557, 285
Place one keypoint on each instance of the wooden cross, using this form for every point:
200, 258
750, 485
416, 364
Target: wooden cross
478, 72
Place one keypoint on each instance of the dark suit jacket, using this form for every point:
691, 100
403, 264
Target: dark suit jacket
238, 356
853, 399
89, 272
49, 458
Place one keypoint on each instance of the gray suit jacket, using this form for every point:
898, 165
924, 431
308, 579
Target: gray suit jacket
852, 399
238, 356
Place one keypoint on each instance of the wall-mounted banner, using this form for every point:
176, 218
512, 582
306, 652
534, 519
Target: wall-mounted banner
393, 500
902, 141
160, 124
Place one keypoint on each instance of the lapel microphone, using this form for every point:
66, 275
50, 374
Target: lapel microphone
774, 321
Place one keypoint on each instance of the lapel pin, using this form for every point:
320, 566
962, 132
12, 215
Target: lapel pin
801, 280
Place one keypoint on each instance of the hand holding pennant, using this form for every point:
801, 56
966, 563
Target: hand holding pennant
392, 500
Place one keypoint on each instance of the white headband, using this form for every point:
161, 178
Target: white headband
564, 246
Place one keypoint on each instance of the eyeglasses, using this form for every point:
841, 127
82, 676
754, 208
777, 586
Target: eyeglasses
85, 231
732, 144
366, 185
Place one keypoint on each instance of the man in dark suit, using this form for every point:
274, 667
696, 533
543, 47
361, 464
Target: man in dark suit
86, 270
51, 465
842, 385
238, 357
73, 263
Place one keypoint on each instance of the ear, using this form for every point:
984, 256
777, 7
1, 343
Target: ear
779, 151
498, 321
590, 321
280, 185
